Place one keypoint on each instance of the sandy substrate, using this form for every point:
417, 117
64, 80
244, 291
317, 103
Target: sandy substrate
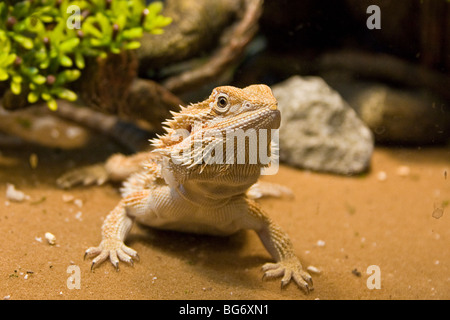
398, 221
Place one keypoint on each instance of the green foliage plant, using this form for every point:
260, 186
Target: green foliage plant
44, 44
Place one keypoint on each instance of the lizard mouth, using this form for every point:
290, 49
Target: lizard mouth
276, 118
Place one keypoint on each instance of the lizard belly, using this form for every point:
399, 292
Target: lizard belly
167, 210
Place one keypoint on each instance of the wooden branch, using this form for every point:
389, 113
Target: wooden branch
376, 66
235, 43
196, 28
148, 100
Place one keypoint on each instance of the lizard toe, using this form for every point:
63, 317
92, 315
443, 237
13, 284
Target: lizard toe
289, 269
114, 249
88, 175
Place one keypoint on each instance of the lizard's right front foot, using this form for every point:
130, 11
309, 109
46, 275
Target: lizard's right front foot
114, 249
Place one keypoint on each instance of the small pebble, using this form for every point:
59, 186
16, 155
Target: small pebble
51, 239
67, 197
320, 243
403, 171
15, 195
313, 269
78, 216
78, 203
382, 176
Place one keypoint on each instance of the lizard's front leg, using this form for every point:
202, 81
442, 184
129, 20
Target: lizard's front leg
280, 247
115, 229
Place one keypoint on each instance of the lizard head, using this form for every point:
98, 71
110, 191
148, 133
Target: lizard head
253, 107
229, 130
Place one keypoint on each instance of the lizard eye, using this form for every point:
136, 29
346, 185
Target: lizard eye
222, 103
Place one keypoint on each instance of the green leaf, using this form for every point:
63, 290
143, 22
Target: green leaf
3, 10
10, 59
154, 25
69, 45
25, 42
95, 42
89, 29
46, 96
65, 61
133, 45
154, 8
21, 9
115, 50
66, 94
121, 19
44, 64
161, 21
38, 79
157, 31
32, 71
132, 33
3, 75
72, 75
47, 19
16, 88
52, 105
105, 24
40, 55
17, 78
34, 24
102, 55
32, 97
79, 60
58, 32
121, 9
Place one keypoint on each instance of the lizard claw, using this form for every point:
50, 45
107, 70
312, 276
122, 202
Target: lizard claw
88, 175
116, 250
289, 269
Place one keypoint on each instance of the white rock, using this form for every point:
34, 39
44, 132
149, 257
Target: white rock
313, 269
320, 243
51, 239
381, 176
67, 197
403, 171
319, 131
15, 195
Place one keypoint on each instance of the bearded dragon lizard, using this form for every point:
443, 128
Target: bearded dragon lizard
179, 186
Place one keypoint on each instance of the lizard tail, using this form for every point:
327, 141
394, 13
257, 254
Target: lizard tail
125, 133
